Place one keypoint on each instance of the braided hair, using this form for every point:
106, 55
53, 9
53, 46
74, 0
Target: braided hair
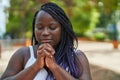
65, 52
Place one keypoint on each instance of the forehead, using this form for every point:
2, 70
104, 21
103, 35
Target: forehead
43, 14
45, 18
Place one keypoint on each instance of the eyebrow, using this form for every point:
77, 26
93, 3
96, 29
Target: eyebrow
55, 22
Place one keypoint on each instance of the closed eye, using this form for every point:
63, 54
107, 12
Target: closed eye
53, 27
39, 27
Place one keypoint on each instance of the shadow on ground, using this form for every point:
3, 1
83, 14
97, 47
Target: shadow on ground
100, 73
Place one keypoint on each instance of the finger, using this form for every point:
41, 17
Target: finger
40, 51
40, 47
40, 55
49, 45
50, 49
47, 53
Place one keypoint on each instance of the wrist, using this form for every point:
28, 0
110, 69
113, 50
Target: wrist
54, 68
36, 67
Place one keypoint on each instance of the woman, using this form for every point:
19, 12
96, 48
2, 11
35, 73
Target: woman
52, 55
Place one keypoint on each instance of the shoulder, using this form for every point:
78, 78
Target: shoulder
21, 51
16, 62
83, 62
81, 58
20, 54
80, 54
19, 57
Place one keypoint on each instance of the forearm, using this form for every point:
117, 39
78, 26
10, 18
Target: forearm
60, 74
26, 74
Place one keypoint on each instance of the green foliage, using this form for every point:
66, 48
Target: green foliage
28, 34
14, 26
100, 36
20, 17
111, 5
81, 17
94, 19
84, 14
80, 23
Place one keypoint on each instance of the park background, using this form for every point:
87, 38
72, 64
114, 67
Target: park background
93, 20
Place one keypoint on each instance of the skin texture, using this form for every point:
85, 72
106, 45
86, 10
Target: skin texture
48, 34
47, 29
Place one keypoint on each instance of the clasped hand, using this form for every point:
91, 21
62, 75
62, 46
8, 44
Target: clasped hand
45, 56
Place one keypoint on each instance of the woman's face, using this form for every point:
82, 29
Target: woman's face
47, 29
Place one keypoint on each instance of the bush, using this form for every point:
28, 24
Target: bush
100, 36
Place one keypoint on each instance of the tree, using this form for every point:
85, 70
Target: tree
20, 17
106, 10
84, 14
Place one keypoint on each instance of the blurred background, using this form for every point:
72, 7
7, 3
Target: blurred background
95, 22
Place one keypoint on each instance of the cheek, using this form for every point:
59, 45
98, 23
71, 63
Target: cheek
57, 36
37, 35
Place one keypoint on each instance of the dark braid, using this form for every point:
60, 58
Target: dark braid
65, 52
34, 41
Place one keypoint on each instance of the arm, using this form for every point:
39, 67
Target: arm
15, 69
60, 74
86, 75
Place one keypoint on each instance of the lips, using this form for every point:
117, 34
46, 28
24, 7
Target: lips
46, 40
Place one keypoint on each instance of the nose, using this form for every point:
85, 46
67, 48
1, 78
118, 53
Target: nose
45, 31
